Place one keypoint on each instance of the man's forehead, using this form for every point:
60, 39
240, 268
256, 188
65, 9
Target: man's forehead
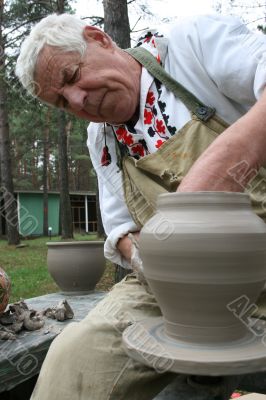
51, 54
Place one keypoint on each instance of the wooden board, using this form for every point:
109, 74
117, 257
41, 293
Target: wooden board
21, 359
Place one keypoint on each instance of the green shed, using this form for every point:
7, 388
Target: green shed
30, 212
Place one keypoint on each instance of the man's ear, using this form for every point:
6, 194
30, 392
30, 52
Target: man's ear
91, 33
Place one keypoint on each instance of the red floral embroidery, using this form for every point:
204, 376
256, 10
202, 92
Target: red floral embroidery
124, 137
159, 143
158, 58
127, 139
160, 127
147, 117
150, 98
120, 132
138, 149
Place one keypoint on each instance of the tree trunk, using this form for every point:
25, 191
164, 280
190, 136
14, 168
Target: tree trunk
45, 173
116, 22
116, 25
33, 165
1, 219
65, 206
100, 229
61, 6
7, 190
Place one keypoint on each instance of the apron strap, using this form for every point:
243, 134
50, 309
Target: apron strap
144, 57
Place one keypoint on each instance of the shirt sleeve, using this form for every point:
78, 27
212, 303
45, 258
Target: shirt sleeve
228, 52
117, 221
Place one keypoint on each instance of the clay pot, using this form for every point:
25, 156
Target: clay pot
200, 253
76, 266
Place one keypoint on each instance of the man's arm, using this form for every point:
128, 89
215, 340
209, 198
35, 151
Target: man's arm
115, 215
245, 140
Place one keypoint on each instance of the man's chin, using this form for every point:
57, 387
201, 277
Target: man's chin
98, 119
119, 121
80, 114
115, 122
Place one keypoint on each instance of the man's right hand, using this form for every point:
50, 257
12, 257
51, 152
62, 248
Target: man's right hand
124, 245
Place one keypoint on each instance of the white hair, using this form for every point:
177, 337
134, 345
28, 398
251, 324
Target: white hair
63, 31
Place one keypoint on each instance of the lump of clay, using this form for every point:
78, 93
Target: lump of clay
18, 317
61, 312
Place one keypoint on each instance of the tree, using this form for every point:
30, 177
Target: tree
7, 190
116, 25
65, 205
45, 172
116, 22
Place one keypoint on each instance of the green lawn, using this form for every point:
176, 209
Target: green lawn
27, 268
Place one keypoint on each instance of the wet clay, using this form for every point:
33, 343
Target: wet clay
147, 342
76, 266
201, 252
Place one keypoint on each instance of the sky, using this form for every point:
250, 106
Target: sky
160, 8
251, 11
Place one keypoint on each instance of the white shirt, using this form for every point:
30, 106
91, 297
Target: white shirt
222, 63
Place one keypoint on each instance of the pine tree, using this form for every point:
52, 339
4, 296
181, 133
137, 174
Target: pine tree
116, 25
7, 189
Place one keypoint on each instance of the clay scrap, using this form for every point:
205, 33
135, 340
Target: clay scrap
19, 317
61, 312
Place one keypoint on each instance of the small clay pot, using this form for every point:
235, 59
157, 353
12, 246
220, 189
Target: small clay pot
76, 266
201, 252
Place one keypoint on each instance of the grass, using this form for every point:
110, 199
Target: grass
27, 268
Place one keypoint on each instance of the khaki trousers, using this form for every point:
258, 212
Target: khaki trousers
87, 360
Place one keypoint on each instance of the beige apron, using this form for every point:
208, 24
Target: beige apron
162, 171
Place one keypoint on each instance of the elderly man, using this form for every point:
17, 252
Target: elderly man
135, 108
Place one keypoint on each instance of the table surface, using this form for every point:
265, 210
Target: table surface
22, 358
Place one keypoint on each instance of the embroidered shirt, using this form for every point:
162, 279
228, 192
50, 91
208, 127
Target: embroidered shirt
154, 125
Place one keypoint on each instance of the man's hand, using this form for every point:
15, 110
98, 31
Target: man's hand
124, 245
244, 141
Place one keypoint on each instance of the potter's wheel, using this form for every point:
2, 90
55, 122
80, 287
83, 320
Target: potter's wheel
147, 342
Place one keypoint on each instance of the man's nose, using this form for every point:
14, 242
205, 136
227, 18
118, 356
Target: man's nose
75, 97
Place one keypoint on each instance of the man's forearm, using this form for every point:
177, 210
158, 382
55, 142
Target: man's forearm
245, 140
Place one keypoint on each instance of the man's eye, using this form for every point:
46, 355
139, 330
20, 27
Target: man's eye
74, 77
63, 103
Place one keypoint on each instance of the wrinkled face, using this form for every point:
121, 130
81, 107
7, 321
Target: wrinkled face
101, 86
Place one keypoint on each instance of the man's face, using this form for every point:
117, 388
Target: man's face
98, 87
